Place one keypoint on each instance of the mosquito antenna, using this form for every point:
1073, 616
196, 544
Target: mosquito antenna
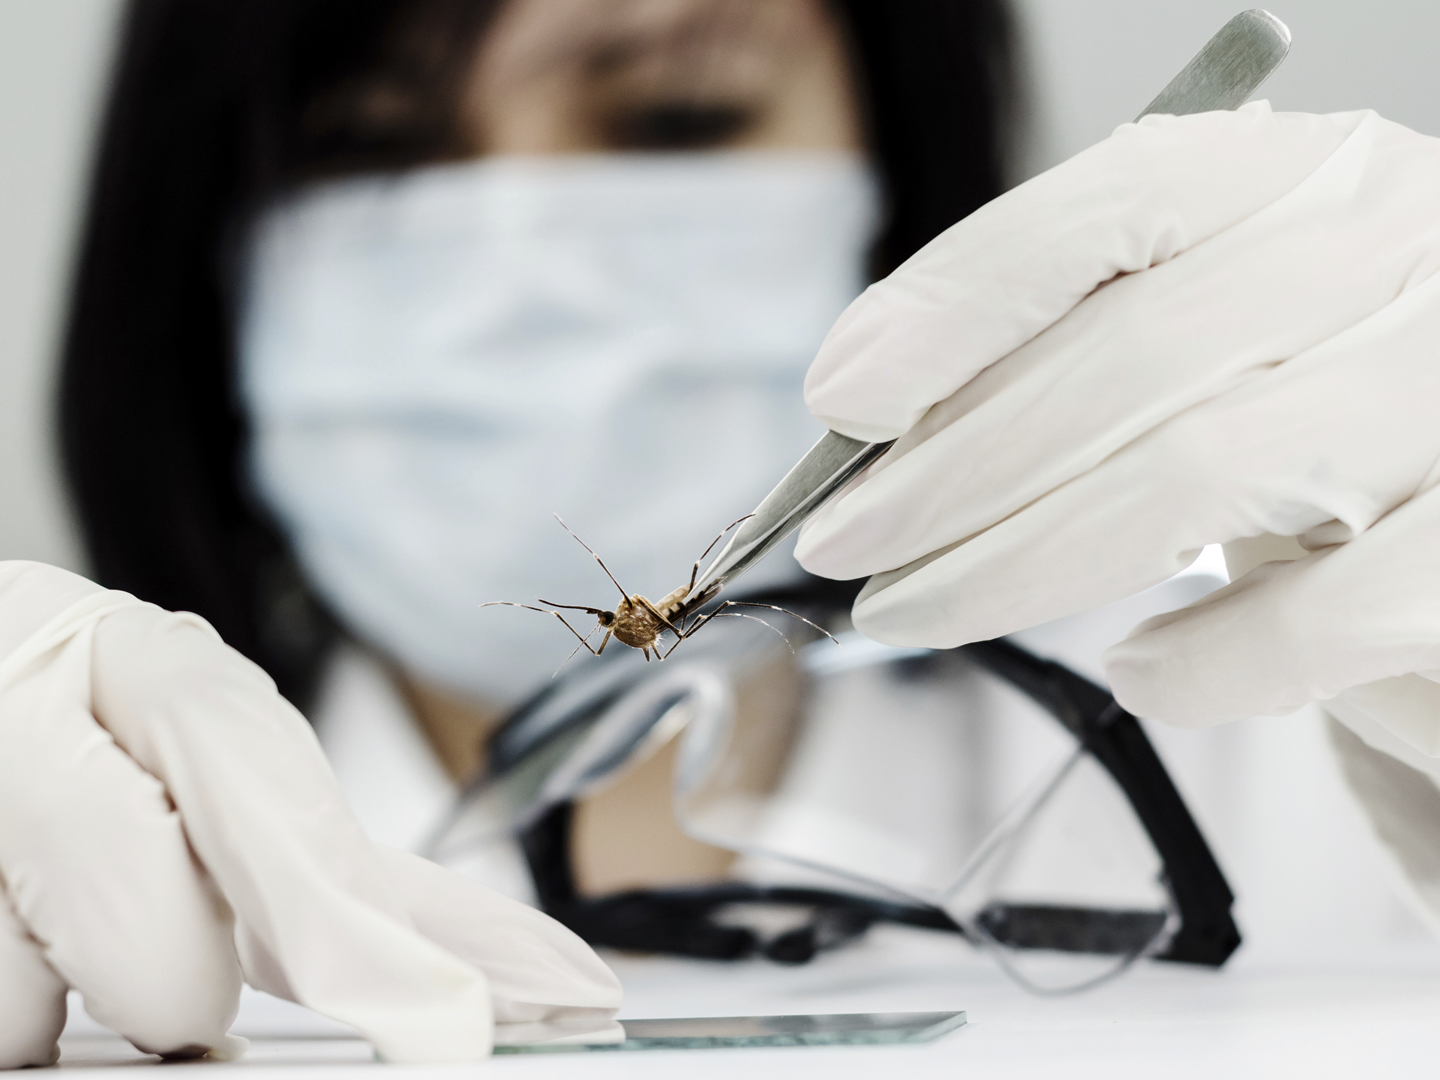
544, 611
723, 531
577, 607
784, 611
508, 603
599, 560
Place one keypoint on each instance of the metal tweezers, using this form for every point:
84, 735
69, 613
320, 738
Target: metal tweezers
1223, 75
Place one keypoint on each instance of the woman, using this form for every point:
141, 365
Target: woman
194, 476
738, 132
219, 107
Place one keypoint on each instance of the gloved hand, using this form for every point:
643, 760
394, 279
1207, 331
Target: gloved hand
168, 824
1205, 328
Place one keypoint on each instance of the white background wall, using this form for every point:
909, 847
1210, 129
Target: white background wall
53, 60
1265, 791
1094, 64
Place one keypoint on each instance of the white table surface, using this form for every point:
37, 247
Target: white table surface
1371, 1014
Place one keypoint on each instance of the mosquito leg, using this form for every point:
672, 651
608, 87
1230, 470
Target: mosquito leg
783, 611
721, 612
683, 621
690, 630
571, 656
717, 539
762, 622
599, 560
673, 647
583, 640
695, 570
603, 642
700, 620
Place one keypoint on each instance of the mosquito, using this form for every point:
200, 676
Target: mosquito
639, 622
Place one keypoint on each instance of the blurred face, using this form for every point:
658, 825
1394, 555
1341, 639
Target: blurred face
777, 245
584, 76
638, 76
643, 76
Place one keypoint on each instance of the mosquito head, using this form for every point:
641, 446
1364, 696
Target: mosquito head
607, 618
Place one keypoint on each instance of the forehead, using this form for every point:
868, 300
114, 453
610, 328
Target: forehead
601, 39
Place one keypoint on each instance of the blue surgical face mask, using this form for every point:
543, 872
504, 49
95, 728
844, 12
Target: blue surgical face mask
436, 363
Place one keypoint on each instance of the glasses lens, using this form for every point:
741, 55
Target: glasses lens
598, 725
919, 775
1070, 892
900, 766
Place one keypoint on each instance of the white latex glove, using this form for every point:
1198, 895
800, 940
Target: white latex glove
1263, 357
168, 823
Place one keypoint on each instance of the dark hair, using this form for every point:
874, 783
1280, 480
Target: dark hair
216, 106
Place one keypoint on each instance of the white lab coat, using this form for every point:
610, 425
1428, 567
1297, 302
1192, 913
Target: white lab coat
391, 777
